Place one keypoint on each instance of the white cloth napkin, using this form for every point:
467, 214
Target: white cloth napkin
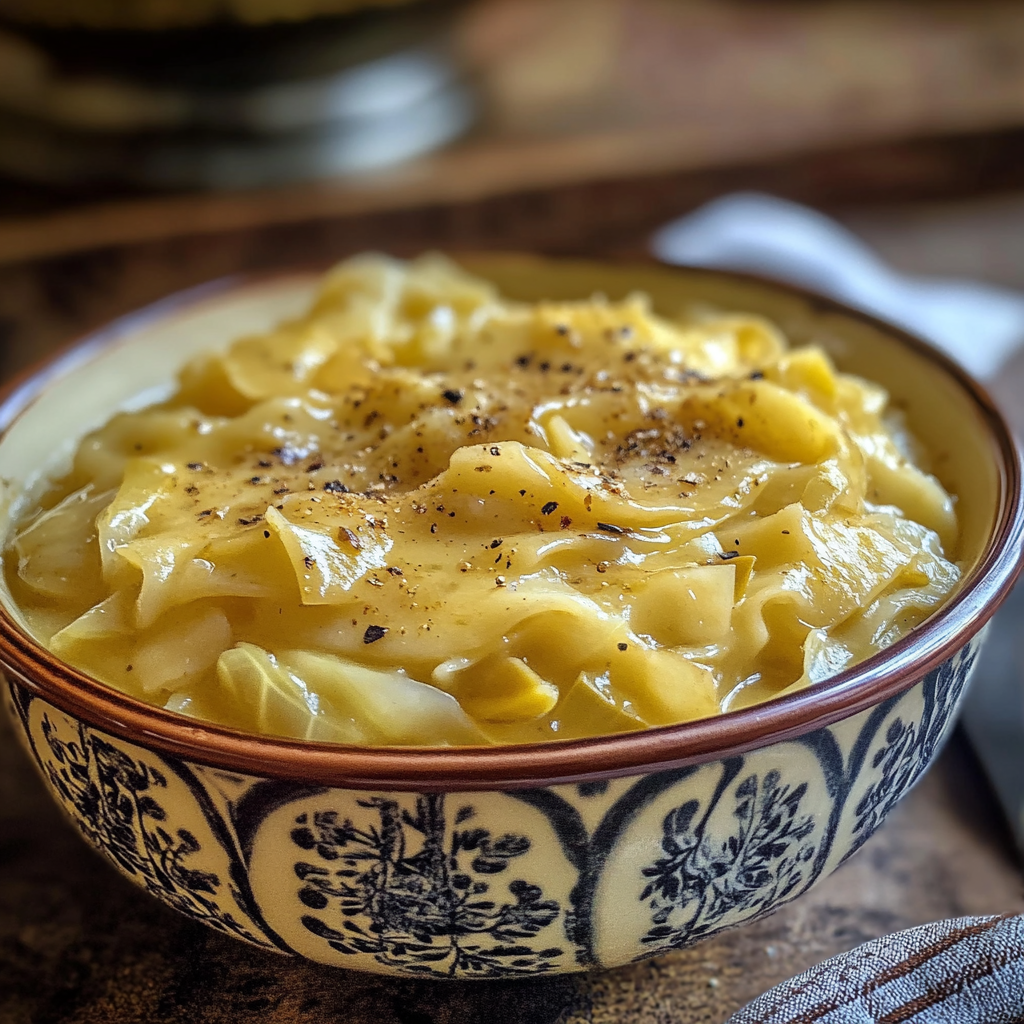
979, 325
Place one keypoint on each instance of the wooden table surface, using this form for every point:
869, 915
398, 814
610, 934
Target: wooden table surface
79, 944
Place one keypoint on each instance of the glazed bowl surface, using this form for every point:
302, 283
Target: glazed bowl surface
504, 861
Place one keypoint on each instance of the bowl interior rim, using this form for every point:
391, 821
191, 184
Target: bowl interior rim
504, 767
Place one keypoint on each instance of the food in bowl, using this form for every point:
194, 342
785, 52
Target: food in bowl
423, 513
503, 861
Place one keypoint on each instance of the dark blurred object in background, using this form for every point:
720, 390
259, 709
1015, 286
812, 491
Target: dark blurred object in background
164, 14
567, 90
548, 122
229, 106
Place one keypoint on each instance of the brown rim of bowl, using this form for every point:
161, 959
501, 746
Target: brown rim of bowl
529, 765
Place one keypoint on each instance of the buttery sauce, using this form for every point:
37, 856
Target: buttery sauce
424, 514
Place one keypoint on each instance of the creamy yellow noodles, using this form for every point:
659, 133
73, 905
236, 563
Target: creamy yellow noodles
424, 514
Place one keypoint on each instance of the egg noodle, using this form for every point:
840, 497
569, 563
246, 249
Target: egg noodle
424, 514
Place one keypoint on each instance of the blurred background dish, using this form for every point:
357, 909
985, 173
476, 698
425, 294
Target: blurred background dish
565, 92
229, 107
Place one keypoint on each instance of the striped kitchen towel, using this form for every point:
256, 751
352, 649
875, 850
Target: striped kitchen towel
966, 971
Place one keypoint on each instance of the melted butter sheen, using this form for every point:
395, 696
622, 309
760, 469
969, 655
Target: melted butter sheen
423, 514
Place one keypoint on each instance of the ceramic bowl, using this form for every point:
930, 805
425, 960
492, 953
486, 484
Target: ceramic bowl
506, 861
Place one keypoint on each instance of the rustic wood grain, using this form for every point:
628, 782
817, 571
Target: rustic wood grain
546, 191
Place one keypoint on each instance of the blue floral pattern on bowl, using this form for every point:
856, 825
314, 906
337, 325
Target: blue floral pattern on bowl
493, 884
